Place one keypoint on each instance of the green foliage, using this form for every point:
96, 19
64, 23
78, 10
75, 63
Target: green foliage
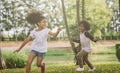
58, 68
112, 33
97, 33
118, 51
14, 12
74, 32
14, 60
21, 36
97, 14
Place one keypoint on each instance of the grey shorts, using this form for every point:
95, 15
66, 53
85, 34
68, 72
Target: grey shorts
42, 55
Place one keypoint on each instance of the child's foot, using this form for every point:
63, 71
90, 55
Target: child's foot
92, 69
80, 69
43, 68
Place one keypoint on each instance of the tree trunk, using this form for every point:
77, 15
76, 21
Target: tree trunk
78, 7
78, 48
67, 29
0, 60
9, 39
119, 6
83, 9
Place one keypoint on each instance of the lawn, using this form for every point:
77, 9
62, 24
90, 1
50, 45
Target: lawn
69, 68
62, 61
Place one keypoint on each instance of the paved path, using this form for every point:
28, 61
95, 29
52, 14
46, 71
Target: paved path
51, 44
50, 47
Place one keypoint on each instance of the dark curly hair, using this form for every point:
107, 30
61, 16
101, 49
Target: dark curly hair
85, 24
34, 17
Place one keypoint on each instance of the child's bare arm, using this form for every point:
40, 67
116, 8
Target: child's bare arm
56, 33
23, 44
75, 40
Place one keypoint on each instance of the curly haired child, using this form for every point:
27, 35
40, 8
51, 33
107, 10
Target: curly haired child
85, 38
39, 36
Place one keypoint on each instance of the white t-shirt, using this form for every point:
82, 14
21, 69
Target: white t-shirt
85, 43
40, 40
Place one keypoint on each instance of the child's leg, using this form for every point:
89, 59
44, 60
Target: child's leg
85, 57
39, 61
40, 64
29, 62
80, 58
83, 61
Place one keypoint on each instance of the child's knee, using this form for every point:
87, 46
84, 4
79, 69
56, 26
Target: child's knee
39, 65
79, 55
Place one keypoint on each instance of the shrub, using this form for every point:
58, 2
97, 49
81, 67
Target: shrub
16, 60
118, 51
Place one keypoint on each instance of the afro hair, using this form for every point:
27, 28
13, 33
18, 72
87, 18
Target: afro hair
85, 24
34, 17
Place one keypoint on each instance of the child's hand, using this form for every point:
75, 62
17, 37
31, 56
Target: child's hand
97, 39
59, 29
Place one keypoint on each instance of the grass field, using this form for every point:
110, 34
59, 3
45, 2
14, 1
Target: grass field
69, 68
62, 61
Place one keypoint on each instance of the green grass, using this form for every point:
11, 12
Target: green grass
59, 56
53, 56
69, 68
103, 49
62, 61
99, 54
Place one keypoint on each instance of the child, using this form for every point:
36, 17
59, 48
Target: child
85, 38
39, 36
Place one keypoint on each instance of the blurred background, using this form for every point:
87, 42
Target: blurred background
103, 15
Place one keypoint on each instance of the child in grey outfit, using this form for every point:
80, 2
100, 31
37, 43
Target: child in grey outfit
85, 38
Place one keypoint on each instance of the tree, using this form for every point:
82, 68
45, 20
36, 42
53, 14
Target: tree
14, 11
13, 14
114, 24
98, 15
78, 48
67, 29
83, 9
95, 12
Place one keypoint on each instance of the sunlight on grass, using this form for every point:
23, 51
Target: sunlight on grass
62, 61
69, 68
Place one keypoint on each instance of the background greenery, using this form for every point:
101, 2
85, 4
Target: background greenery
103, 16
